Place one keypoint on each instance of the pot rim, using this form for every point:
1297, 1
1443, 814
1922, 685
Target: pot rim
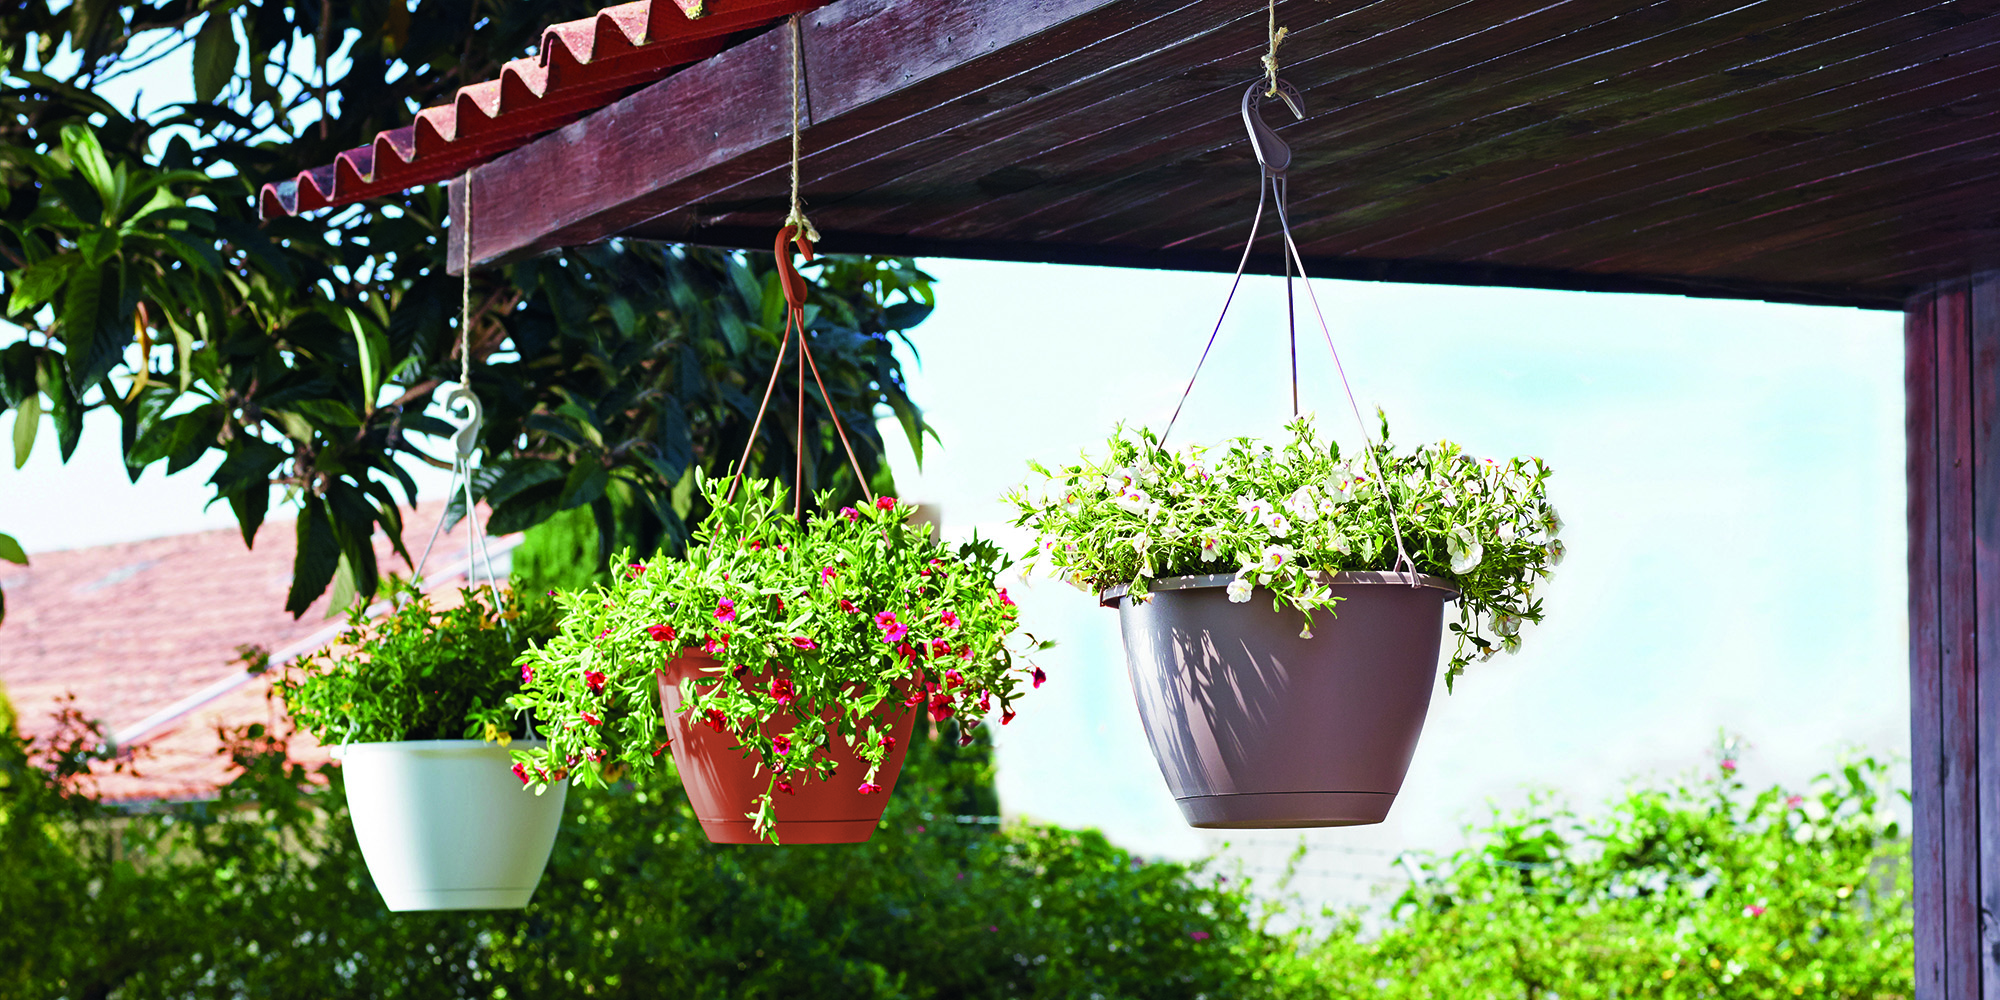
339, 751
1110, 596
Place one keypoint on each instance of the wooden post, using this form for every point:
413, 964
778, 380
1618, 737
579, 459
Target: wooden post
1952, 373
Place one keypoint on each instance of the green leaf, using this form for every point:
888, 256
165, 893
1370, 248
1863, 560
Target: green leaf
93, 323
215, 52
86, 157
36, 284
343, 589
327, 412
318, 557
11, 551
27, 421
586, 482
373, 350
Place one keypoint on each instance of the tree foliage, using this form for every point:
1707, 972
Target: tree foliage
302, 357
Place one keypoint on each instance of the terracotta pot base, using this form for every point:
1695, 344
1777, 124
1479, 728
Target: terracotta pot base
722, 785
1285, 810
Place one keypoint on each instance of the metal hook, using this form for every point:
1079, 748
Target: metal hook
1272, 153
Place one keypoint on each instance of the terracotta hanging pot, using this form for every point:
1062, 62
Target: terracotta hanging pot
445, 824
723, 785
1255, 727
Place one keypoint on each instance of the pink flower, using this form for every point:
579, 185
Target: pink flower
715, 644
782, 744
662, 747
965, 739
1007, 715
953, 678
527, 674
916, 698
885, 503
950, 619
884, 619
635, 569
850, 513
715, 719
1728, 765
593, 754
894, 633
521, 772
594, 680
939, 647
781, 690
1039, 677
909, 652
593, 720
826, 575
941, 708
1198, 935
725, 610
1004, 599
887, 742
986, 701
785, 786
661, 633
804, 643
848, 606
869, 788
1753, 910
1794, 801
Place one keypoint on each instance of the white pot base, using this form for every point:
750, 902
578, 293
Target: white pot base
445, 824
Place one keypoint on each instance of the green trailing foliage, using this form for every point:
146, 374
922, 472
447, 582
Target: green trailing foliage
817, 633
299, 358
419, 673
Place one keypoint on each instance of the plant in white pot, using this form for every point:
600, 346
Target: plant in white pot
415, 704
1282, 607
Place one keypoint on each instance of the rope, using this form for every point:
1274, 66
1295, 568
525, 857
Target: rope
798, 217
1255, 221
1270, 60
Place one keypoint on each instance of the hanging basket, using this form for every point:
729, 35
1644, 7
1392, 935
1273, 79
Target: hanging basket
445, 824
1255, 727
723, 785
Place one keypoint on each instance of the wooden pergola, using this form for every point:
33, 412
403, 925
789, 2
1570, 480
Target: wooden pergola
1840, 153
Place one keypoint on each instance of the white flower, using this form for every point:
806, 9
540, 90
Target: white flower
1239, 591
1466, 552
1555, 550
1301, 504
1275, 558
1140, 543
1506, 624
1340, 544
1553, 522
1211, 548
1507, 533
1136, 501
1251, 507
1276, 524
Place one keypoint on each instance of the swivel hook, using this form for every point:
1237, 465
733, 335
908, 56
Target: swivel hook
1272, 153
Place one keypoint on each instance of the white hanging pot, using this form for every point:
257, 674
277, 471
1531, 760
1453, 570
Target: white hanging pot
445, 824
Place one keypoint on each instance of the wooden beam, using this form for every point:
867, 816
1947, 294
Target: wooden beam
1953, 385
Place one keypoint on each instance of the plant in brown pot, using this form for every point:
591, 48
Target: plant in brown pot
1282, 607
782, 663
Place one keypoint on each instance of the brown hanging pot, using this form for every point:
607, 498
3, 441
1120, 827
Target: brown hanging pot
723, 784
1255, 727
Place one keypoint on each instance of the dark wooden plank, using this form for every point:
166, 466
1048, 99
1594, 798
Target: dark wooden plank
1744, 92
1957, 647
1400, 189
1984, 308
1920, 394
870, 62
1715, 167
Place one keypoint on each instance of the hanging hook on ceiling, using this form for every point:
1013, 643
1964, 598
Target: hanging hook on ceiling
1272, 153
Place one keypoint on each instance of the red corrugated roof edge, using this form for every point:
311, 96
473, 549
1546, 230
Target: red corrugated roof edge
582, 66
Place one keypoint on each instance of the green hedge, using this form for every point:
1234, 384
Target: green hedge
262, 893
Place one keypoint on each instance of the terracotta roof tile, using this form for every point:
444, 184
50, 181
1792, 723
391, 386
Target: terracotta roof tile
581, 66
145, 635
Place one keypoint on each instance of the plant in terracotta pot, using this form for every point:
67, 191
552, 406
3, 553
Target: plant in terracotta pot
782, 662
1282, 607
415, 703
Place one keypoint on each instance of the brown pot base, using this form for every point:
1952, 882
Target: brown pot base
1285, 810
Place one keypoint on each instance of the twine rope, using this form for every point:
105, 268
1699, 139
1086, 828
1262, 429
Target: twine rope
1270, 60
797, 218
